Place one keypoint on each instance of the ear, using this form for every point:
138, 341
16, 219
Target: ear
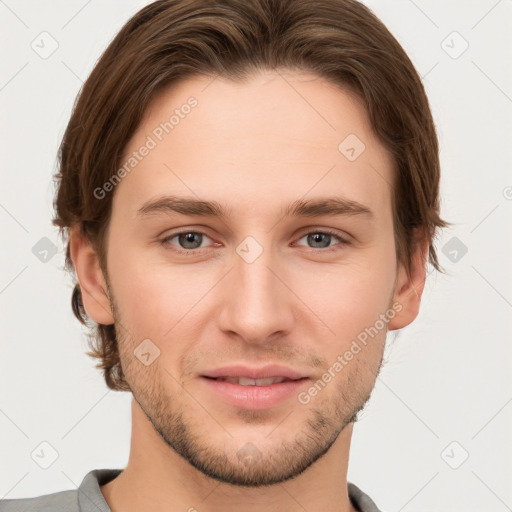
409, 288
90, 277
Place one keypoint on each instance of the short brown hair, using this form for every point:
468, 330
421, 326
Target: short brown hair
168, 40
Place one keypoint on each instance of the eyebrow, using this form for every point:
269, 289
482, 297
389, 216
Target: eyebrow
332, 206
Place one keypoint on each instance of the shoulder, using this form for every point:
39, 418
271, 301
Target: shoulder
63, 501
361, 500
87, 498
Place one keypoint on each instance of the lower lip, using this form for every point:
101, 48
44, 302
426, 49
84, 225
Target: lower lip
254, 397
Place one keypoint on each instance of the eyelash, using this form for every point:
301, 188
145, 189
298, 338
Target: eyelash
190, 252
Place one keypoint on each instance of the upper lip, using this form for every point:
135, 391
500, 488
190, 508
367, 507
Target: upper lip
263, 372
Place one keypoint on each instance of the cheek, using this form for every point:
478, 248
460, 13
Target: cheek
137, 290
153, 298
348, 297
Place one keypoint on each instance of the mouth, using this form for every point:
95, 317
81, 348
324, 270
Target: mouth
247, 381
243, 392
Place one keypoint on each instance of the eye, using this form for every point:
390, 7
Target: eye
323, 239
187, 240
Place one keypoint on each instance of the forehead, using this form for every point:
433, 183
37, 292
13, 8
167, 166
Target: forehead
276, 134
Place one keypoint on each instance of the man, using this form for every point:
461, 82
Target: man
250, 190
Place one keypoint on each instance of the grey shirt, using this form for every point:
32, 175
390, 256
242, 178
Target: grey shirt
89, 498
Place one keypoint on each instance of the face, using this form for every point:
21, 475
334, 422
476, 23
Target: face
288, 275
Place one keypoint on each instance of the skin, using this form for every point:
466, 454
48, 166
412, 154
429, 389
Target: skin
254, 147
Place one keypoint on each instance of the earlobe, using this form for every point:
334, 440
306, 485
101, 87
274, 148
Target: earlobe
409, 288
90, 277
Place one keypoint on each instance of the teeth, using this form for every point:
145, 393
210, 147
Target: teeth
244, 381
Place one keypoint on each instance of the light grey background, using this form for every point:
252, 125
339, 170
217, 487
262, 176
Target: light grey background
446, 390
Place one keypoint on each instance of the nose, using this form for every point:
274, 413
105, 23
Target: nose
257, 303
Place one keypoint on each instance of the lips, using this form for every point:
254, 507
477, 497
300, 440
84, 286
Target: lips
246, 381
264, 388
247, 376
